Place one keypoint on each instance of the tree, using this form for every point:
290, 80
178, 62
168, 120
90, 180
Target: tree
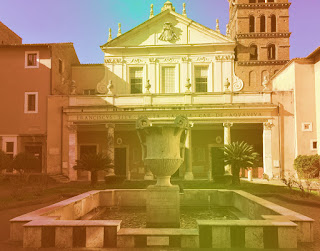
4, 161
25, 162
93, 163
239, 155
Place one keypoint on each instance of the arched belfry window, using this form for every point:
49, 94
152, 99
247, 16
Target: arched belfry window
251, 24
262, 23
253, 52
271, 52
273, 23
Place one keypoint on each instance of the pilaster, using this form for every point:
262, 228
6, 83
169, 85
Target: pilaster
73, 151
267, 149
227, 141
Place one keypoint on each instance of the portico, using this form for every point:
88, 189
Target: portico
213, 126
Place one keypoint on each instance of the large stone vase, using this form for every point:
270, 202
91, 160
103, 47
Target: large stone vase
163, 147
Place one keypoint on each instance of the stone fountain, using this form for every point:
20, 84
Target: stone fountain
163, 153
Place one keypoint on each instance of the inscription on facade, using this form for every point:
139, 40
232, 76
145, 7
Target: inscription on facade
107, 117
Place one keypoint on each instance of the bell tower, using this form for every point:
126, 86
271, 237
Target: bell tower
261, 29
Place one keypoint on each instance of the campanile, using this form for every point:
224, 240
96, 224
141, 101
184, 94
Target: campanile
261, 29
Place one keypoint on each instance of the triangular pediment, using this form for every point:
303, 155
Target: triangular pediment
169, 28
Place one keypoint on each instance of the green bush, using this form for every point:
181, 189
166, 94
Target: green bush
307, 166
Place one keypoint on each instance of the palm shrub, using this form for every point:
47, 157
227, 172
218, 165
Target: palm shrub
93, 162
239, 155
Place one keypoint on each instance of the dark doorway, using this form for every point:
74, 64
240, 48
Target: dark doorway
120, 161
85, 149
217, 161
36, 151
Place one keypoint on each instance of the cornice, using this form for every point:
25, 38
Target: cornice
265, 35
266, 62
264, 6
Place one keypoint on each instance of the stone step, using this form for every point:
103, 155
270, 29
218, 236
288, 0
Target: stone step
59, 178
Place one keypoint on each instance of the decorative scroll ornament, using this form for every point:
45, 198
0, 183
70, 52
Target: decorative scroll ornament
102, 85
237, 83
168, 33
136, 61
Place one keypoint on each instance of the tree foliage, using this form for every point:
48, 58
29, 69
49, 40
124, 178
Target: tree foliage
307, 166
4, 161
25, 162
93, 162
239, 155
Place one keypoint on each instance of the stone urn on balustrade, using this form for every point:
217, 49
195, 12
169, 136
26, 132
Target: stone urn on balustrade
163, 147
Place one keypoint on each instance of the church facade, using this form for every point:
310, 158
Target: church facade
171, 65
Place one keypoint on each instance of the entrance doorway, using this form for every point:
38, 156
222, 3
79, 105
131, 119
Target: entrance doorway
36, 151
217, 161
120, 161
85, 149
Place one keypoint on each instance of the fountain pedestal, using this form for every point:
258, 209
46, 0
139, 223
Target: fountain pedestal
163, 153
163, 207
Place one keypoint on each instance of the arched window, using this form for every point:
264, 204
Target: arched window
273, 23
262, 23
261, 1
252, 1
270, 1
271, 52
253, 52
252, 78
251, 24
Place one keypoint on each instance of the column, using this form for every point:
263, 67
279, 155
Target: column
110, 146
188, 157
73, 151
267, 149
227, 141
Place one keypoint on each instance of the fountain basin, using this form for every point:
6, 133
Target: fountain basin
59, 226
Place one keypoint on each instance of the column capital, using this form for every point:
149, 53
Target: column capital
228, 125
72, 127
267, 126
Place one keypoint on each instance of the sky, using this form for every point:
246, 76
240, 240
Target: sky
86, 22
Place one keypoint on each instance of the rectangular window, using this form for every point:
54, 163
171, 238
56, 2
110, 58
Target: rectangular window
307, 127
314, 145
31, 59
9, 146
136, 79
168, 79
201, 78
31, 102
60, 66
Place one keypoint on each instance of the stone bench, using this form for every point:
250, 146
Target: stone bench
71, 234
259, 234
148, 237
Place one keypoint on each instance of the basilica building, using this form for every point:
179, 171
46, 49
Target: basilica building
171, 65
